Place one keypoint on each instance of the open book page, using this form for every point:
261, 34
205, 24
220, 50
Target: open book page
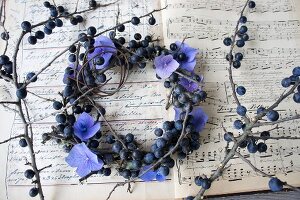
269, 57
138, 108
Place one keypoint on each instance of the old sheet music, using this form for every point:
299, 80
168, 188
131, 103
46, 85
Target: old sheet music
138, 108
270, 56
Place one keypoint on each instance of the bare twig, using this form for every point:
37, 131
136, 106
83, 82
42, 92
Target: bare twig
12, 138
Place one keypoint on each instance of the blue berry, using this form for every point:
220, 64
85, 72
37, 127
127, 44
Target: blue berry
227, 41
61, 118
296, 71
129, 137
241, 90
149, 158
4, 59
92, 3
243, 29
33, 192
252, 147
106, 171
91, 30
228, 136
94, 144
59, 22
53, 12
260, 110
121, 28
159, 153
189, 198
239, 56
57, 105
47, 31
26, 26
47, 4
158, 132
241, 110
30, 75
39, 35
50, 24
29, 173
68, 131
286, 82
68, 91
198, 181
22, 142
243, 19
21, 93
137, 155
296, 97
265, 134
135, 20
79, 18
251, 4
164, 170
245, 37
117, 147
124, 154
152, 20
275, 185
160, 142
60, 9
240, 43
238, 124
32, 40
273, 115
206, 184
262, 147
110, 139
136, 164
236, 64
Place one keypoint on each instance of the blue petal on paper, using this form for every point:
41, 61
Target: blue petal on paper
104, 47
149, 175
86, 161
190, 62
165, 66
200, 118
84, 127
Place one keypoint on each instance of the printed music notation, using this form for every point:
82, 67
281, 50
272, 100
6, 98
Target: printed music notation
232, 5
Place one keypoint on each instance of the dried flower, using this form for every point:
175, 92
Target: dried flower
165, 66
85, 127
190, 62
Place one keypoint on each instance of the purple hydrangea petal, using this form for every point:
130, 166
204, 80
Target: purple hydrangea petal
86, 161
76, 156
104, 48
159, 177
165, 66
177, 113
95, 166
92, 131
188, 85
148, 176
187, 50
188, 66
200, 119
84, 127
83, 170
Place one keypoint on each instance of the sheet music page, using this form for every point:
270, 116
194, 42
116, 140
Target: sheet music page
270, 56
138, 108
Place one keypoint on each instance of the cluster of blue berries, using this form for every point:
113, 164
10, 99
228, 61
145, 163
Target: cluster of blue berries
292, 80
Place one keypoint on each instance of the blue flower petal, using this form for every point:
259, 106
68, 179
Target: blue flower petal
104, 47
188, 85
92, 131
165, 66
84, 127
200, 119
86, 161
160, 177
83, 169
148, 176
188, 66
76, 156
